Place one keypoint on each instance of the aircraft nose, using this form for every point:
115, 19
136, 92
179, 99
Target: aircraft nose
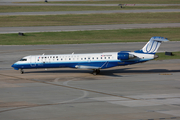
14, 66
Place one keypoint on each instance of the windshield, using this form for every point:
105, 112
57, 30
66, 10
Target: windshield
23, 60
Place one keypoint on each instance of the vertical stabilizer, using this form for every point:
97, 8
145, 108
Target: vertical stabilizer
152, 45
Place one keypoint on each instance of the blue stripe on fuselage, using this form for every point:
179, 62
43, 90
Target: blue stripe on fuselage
103, 64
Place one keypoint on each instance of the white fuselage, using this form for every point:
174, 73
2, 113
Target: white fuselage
85, 61
95, 61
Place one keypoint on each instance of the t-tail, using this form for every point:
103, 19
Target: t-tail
152, 45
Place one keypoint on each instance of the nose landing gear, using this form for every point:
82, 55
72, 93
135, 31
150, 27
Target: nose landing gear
21, 71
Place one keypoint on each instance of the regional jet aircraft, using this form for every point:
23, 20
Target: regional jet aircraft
94, 61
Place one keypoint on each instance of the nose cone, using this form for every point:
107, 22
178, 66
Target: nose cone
15, 66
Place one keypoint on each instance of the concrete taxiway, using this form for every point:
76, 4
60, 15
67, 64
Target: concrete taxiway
59, 4
91, 12
4, 30
148, 91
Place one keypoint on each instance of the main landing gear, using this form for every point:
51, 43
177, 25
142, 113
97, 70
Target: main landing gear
21, 71
96, 71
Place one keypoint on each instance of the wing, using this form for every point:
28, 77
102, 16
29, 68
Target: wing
87, 67
92, 66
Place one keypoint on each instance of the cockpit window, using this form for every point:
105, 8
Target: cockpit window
23, 60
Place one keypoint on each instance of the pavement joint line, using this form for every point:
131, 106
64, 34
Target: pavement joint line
41, 81
41, 105
77, 88
66, 102
31, 106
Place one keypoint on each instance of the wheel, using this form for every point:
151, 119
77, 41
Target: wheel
22, 71
96, 71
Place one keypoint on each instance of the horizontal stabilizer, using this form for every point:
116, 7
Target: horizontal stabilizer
161, 39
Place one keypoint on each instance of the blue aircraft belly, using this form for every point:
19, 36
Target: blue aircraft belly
98, 64
65, 64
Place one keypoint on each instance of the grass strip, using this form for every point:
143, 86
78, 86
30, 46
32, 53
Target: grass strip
114, 2
95, 36
162, 56
77, 8
89, 19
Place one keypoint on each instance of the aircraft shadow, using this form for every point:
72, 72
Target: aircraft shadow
131, 70
112, 72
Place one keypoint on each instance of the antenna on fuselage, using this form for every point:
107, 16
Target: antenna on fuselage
43, 53
73, 53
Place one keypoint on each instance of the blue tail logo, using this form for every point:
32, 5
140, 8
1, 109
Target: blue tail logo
152, 45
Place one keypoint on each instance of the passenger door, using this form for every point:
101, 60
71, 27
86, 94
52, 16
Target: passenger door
33, 61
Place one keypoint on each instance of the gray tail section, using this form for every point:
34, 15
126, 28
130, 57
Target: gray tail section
152, 45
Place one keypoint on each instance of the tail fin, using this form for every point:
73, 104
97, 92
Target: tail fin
152, 45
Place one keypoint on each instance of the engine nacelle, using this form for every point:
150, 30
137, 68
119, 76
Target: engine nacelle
125, 56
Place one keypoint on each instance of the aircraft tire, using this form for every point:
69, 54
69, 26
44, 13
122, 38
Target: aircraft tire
96, 71
22, 71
